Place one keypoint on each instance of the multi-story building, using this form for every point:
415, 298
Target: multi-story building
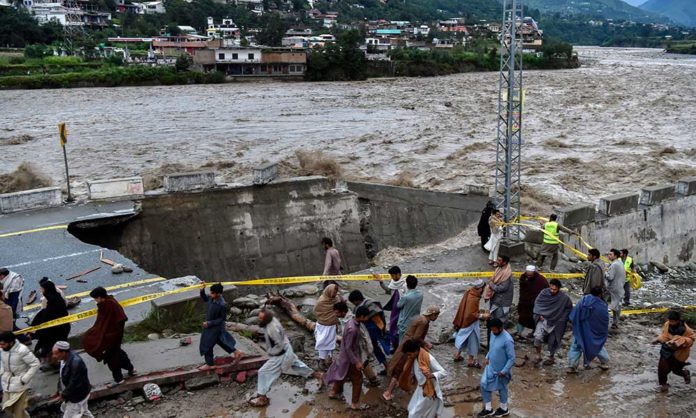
252, 61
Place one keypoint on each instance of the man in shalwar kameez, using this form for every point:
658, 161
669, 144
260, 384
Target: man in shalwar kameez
467, 332
427, 400
281, 359
498, 372
348, 366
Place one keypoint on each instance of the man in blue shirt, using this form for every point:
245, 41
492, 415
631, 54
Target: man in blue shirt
498, 372
214, 331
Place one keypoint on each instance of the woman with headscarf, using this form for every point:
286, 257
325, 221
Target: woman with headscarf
325, 330
55, 308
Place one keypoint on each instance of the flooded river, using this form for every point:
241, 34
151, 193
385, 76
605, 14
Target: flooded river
623, 120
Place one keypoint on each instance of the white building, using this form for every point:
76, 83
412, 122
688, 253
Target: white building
225, 30
238, 55
151, 8
256, 6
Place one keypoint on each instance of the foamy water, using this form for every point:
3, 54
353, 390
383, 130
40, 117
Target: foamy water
603, 128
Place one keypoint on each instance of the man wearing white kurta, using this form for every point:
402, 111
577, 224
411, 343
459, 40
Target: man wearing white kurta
422, 406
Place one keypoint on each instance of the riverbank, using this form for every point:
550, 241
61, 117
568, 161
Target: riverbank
110, 77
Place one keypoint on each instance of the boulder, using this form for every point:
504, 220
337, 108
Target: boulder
234, 311
252, 320
245, 303
297, 342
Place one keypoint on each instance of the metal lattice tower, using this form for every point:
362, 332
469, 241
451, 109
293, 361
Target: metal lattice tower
510, 103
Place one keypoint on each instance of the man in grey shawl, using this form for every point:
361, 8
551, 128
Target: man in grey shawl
281, 359
594, 277
616, 277
551, 310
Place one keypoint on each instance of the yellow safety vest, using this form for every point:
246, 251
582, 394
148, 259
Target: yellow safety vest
551, 235
627, 264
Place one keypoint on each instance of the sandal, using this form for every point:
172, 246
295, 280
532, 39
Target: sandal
259, 401
337, 397
385, 398
362, 407
474, 365
113, 384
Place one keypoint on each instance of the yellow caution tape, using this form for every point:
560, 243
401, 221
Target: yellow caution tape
256, 282
108, 289
30, 231
655, 310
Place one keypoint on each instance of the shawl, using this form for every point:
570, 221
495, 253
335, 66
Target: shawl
529, 290
399, 285
417, 330
323, 310
468, 311
407, 380
494, 223
682, 342
499, 275
6, 317
590, 325
107, 331
554, 308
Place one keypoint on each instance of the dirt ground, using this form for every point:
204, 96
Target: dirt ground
627, 389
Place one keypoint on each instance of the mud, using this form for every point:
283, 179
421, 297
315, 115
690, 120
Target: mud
627, 389
625, 113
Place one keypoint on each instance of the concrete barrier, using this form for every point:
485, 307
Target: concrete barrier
265, 174
116, 188
686, 186
618, 203
180, 182
576, 215
656, 194
30, 199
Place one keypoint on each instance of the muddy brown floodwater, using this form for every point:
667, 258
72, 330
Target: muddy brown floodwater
625, 116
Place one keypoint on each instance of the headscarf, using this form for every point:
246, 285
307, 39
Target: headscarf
323, 310
499, 275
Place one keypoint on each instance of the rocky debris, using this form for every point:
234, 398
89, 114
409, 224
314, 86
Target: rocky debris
300, 291
153, 337
201, 382
117, 269
241, 377
252, 320
245, 303
235, 311
660, 266
297, 341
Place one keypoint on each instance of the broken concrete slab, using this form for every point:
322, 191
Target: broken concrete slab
203, 381
686, 186
618, 203
656, 194
30, 199
180, 182
174, 364
576, 215
116, 188
511, 248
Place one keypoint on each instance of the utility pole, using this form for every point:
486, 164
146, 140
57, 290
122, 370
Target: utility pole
510, 106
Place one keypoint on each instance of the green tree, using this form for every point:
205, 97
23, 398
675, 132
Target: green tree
183, 62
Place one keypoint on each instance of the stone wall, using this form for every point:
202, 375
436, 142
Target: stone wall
405, 217
660, 228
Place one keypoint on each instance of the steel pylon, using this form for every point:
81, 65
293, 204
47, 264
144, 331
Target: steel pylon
510, 106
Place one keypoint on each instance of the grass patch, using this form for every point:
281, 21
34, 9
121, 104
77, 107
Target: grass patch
185, 320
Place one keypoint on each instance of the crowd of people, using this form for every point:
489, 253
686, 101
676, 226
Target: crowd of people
359, 338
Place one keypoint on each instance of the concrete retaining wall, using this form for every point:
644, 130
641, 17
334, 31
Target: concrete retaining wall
116, 188
189, 181
662, 228
30, 199
405, 217
241, 233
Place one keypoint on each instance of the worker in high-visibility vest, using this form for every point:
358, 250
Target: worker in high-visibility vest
630, 269
551, 243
